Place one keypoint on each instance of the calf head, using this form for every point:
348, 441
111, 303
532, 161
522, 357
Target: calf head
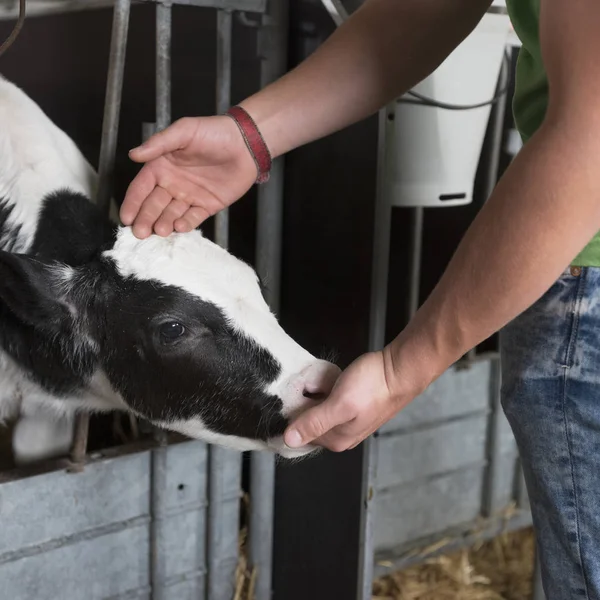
174, 329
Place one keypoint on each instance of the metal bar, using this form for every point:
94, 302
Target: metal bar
159, 454
377, 323
112, 102
522, 495
496, 135
381, 247
257, 6
538, 588
490, 493
158, 489
40, 8
224, 35
336, 9
272, 40
493, 164
225, 469
416, 252
163, 65
108, 148
225, 465
79, 449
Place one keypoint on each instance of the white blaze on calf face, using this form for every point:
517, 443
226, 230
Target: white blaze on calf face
196, 265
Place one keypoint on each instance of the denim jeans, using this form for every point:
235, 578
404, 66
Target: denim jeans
551, 397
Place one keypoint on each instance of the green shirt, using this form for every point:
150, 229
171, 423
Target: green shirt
531, 92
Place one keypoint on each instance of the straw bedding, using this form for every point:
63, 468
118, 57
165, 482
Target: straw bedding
499, 569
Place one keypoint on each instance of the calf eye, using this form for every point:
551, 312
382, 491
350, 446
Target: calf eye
171, 331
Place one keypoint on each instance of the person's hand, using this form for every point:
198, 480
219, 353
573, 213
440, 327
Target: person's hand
194, 168
366, 395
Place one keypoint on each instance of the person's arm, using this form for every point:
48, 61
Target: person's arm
385, 48
541, 215
199, 166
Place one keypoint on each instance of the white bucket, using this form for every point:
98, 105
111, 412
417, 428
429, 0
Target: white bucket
433, 153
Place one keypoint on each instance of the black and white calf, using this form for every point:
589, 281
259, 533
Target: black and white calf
172, 329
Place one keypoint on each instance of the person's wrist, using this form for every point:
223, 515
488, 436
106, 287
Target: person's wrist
254, 141
265, 116
415, 359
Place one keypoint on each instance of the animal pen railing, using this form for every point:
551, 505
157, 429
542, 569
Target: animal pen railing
151, 519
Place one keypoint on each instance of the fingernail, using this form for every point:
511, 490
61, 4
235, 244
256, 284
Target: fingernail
293, 439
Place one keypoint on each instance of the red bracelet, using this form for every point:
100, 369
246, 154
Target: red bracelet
254, 140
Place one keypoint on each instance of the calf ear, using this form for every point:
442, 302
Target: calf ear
27, 289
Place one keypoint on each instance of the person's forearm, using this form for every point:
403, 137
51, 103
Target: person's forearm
383, 50
542, 214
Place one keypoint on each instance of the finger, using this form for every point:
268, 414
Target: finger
139, 189
194, 216
316, 422
335, 440
165, 224
175, 137
150, 212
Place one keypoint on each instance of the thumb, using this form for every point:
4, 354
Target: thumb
175, 137
315, 423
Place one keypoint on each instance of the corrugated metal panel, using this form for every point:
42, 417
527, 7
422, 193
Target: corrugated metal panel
432, 451
107, 566
56, 506
87, 535
456, 393
411, 512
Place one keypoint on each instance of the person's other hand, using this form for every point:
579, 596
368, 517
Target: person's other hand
366, 395
193, 169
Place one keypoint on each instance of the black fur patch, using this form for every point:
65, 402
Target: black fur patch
71, 229
211, 372
9, 235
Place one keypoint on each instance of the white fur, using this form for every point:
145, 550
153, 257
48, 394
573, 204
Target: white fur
195, 264
37, 158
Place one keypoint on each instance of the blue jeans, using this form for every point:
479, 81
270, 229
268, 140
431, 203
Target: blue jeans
551, 397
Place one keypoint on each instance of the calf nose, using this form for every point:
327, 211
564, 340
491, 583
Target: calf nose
319, 380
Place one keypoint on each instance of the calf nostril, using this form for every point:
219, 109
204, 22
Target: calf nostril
318, 396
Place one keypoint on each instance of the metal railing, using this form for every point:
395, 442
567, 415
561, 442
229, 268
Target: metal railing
225, 467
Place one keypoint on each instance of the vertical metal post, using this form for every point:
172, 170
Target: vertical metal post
112, 102
416, 254
381, 245
81, 430
225, 465
158, 479
224, 35
108, 148
163, 65
272, 39
522, 496
493, 163
490, 496
377, 323
538, 589
158, 489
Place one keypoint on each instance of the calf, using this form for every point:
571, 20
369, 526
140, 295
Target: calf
174, 330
